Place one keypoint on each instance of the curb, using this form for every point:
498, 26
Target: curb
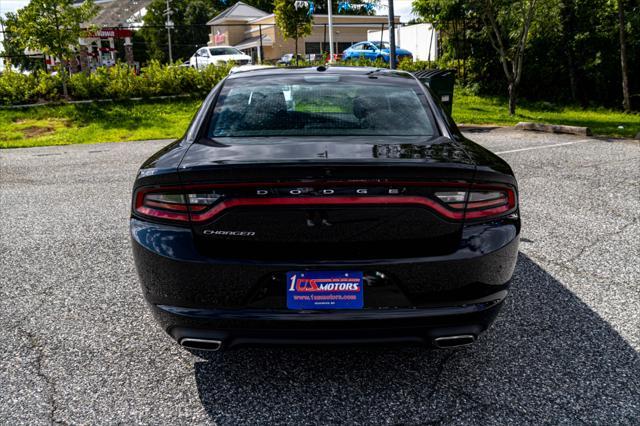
554, 128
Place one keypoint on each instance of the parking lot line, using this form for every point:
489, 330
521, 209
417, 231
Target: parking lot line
540, 147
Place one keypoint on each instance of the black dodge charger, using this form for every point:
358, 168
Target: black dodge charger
324, 205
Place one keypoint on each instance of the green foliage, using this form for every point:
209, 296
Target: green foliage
118, 82
189, 18
293, 23
572, 54
322, 8
16, 88
14, 45
52, 26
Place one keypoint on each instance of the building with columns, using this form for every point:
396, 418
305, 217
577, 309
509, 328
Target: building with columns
116, 20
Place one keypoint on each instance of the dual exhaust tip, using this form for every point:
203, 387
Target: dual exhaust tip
456, 341
201, 344
445, 342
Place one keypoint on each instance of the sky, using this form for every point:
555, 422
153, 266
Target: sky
12, 5
402, 8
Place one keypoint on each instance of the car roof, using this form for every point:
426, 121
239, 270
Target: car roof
340, 70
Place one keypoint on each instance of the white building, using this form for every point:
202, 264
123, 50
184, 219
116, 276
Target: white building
419, 39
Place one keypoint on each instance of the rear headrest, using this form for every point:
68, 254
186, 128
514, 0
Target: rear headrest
268, 102
365, 105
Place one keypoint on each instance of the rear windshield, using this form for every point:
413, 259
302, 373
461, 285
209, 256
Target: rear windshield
322, 105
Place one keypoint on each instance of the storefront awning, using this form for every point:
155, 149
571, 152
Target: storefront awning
248, 43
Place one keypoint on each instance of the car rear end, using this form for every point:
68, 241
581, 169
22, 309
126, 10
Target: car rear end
322, 239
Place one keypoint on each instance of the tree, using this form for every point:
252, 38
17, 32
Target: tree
54, 27
189, 18
293, 22
572, 52
357, 7
626, 98
13, 46
583, 50
509, 23
506, 24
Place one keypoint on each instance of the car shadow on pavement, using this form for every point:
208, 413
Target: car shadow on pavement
548, 358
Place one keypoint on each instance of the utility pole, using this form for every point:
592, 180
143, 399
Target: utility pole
169, 25
392, 37
330, 18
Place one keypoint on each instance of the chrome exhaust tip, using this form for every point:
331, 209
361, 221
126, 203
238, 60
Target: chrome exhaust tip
454, 341
201, 344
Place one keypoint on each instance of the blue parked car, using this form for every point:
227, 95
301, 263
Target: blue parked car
374, 50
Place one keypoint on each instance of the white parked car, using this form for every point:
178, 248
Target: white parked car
218, 55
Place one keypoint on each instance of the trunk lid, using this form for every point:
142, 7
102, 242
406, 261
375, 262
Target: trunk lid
326, 200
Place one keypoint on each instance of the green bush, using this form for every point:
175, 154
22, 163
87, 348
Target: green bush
17, 88
85, 86
119, 82
48, 87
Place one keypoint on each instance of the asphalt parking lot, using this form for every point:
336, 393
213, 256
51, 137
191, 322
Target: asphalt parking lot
79, 346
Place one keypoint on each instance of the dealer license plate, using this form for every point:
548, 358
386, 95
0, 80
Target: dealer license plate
324, 290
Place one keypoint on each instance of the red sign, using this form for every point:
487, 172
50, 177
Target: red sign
219, 38
111, 33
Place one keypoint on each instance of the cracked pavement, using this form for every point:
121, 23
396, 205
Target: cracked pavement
79, 346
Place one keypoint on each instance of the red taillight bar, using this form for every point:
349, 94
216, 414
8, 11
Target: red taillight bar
163, 214
181, 212
159, 210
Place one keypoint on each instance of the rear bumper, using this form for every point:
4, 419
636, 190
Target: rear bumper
245, 327
199, 297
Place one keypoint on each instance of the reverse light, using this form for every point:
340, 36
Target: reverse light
479, 203
172, 205
203, 199
452, 196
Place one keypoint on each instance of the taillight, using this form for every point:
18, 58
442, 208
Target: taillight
175, 206
201, 203
479, 203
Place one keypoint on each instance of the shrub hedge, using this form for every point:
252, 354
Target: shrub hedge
118, 82
121, 82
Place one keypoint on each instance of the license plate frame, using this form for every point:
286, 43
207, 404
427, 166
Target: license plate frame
321, 290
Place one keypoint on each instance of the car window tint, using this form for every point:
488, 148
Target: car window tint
301, 108
224, 51
383, 45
